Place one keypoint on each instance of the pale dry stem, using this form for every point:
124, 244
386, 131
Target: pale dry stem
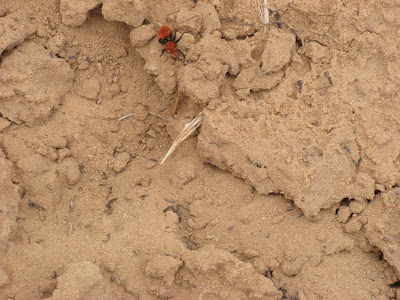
263, 12
187, 130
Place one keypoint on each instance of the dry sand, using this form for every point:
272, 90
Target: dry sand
288, 190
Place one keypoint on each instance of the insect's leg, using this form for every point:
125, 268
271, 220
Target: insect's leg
180, 52
173, 36
162, 52
180, 37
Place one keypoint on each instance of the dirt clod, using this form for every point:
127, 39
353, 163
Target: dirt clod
89, 88
70, 169
77, 280
120, 161
74, 13
289, 189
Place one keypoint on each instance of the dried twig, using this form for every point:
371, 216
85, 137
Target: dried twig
71, 209
187, 130
126, 116
176, 103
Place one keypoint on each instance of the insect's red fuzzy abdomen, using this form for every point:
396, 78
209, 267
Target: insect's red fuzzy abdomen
172, 49
164, 32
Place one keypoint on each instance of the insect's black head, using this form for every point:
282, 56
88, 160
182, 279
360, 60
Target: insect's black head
166, 40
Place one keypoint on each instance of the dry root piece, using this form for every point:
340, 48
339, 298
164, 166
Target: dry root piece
176, 103
187, 130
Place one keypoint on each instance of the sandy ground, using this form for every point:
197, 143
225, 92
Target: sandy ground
288, 190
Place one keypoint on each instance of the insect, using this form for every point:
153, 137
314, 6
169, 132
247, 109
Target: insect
167, 37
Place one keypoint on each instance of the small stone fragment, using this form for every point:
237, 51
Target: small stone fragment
317, 52
142, 35
278, 50
74, 13
209, 261
34, 163
353, 225
52, 154
4, 280
89, 88
4, 123
365, 186
188, 21
197, 208
380, 187
255, 79
83, 64
335, 245
198, 224
184, 172
163, 267
9, 199
343, 213
63, 153
56, 141
120, 52
229, 34
110, 90
250, 253
70, 169
210, 18
357, 207
120, 161
150, 164
123, 88
100, 68
291, 268
3, 11
198, 86
140, 113
77, 280
131, 12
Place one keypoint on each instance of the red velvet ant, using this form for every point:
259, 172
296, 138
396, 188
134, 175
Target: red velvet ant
168, 38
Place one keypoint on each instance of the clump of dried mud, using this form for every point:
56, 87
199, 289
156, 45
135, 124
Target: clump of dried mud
290, 189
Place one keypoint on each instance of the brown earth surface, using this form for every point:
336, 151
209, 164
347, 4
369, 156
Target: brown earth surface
290, 189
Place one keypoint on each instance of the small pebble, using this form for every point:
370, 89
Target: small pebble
70, 169
343, 213
380, 187
140, 113
89, 88
4, 123
34, 163
229, 34
353, 225
140, 36
250, 253
99, 68
120, 161
83, 65
357, 207
63, 153
56, 141
4, 279
3, 11
120, 52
